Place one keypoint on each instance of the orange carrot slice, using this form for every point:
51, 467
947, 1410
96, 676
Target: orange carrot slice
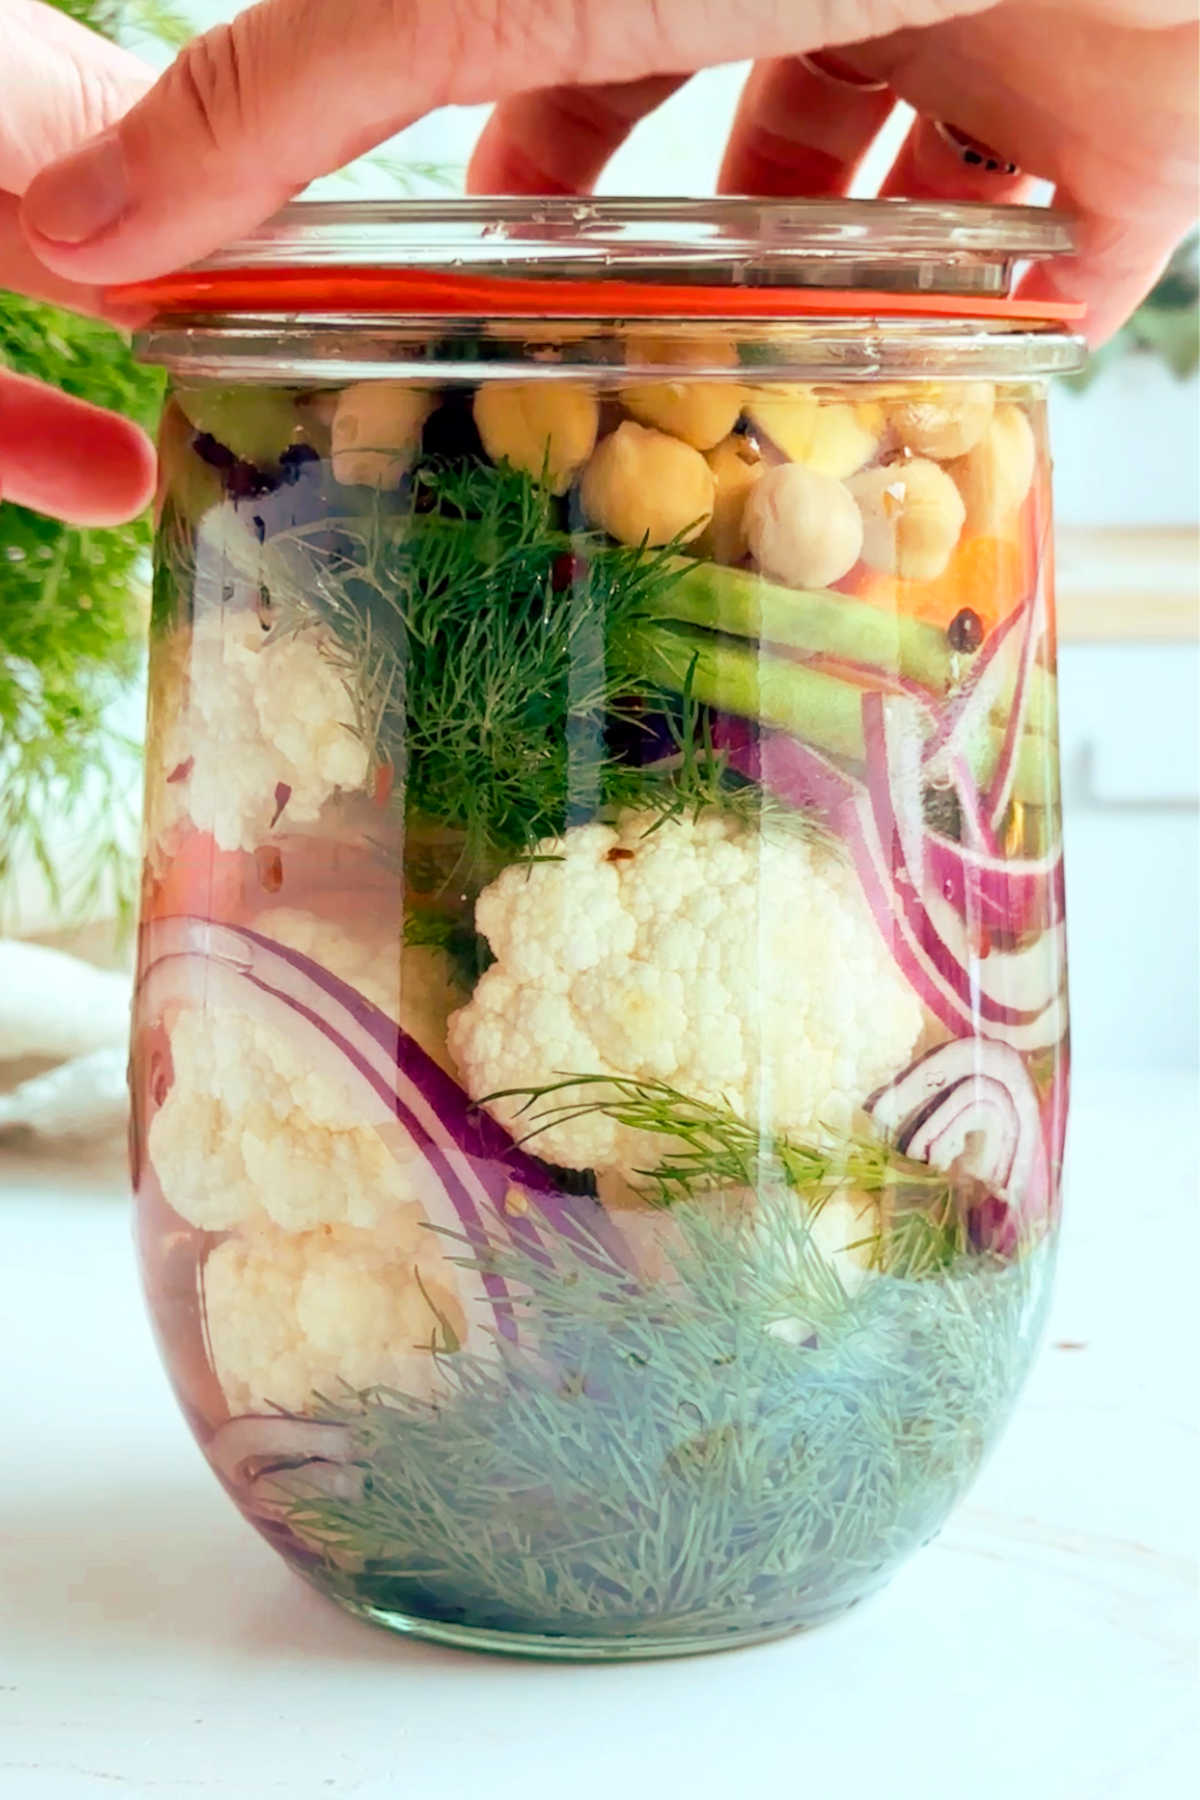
987, 575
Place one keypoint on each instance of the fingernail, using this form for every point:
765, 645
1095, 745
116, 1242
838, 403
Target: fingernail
969, 150
82, 195
843, 74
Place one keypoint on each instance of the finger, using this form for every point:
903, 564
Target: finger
1123, 165
558, 140
937, 161
803, 126
63, 84
1115, 266
22, 273
67, 458
249, 113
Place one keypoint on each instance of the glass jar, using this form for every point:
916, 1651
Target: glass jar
600, 1042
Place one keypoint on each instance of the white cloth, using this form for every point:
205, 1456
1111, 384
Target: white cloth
85, 1097
55, 1007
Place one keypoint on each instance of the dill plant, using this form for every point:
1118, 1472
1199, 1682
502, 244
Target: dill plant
70, 624
70, 614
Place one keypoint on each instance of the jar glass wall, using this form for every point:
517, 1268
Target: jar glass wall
600, 1043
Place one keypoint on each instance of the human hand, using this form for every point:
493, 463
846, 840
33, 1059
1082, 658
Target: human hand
57, 454
251, 111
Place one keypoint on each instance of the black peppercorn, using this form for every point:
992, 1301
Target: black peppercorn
965, 630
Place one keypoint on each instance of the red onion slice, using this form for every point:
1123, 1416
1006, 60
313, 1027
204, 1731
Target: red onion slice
968, 711
1004, 894
971, 1104
276, 1493
806, 779
197, 979
480, 1152
273, 1461
1018, 995
244, 1447
477, 1172
973, 1124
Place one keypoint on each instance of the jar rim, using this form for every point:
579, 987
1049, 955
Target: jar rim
729, 257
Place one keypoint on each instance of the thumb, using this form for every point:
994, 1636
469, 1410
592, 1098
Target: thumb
251, 112
61, 83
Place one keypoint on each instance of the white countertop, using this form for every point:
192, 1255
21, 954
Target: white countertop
1044, 1647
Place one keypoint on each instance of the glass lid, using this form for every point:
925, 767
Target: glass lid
735, 257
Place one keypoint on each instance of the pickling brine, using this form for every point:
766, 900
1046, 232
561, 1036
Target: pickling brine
600, 1041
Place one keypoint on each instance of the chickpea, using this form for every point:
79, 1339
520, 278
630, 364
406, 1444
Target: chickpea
699, 412
848, 435
833, 437
804, 528
546, 428
912, 516
642, 486
736, 466
786, 414
996, 475
375, 432
944, 419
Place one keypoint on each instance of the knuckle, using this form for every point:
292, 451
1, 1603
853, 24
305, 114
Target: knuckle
215, 79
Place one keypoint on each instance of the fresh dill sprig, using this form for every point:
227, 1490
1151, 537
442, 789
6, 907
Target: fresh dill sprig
744, 1448
709, 1148
482, 644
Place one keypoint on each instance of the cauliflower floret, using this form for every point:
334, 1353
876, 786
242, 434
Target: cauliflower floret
251, 1132
292, 1316
262, 715
743, 969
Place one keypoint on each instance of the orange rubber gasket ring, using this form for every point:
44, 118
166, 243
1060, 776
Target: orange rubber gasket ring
431, 294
